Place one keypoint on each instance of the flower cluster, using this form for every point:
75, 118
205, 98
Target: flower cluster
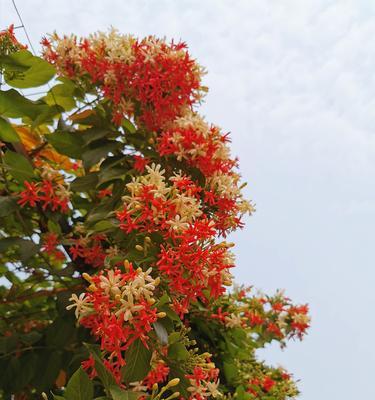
154, 205
8, 42
50, 246
157, 77
201, 146
190, 261
274, 383
204, 381
270, 318
47, 193
183, 193
90, 249
118, 309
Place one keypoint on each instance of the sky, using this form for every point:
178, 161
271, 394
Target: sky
294, 83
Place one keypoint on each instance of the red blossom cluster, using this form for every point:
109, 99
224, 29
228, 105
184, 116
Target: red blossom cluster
275, 317
257, 385
8, 41
159, 78
48, 194
90, 249
158, 374
118, 309
204, 381
50, 246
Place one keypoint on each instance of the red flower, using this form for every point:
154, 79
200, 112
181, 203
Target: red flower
29, 195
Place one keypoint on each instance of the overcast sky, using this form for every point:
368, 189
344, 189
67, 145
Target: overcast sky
294, 81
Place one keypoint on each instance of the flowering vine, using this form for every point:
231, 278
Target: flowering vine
120, 197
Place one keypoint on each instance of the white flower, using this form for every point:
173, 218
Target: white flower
81, 303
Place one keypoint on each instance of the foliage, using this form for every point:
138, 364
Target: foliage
115, 201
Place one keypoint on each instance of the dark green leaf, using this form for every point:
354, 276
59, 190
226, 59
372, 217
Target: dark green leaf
60, 332
7, 205
104, 375
138, 359
92, 134
67, 143
79, 387
120, 394
25, 248
93, 155
48, 367
85, 183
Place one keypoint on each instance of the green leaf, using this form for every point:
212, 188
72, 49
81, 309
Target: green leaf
47, 115
178, 351
93, 155
138, 365
60, 332
18, 166
85, 183
79, 387
128, 126
57, 397
48, 367
62, 95
67, 143
120, 394
25, 248
36, 71
241, 394
7, 132
103, 226
92, 134
104, 375
111, 174
27, 369
7, 205
14, 105
230, 371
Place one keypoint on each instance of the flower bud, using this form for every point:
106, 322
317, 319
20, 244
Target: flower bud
161, 314
87, 277
139, 247
173, 382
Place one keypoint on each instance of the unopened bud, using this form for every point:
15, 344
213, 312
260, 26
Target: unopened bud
173, 396
151, 301
139, 247
127, 265
87, 277
161, 314
45, 397
151, 141
148, 239
91, 288
173, 382
157, 281
211, 365
154, 387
